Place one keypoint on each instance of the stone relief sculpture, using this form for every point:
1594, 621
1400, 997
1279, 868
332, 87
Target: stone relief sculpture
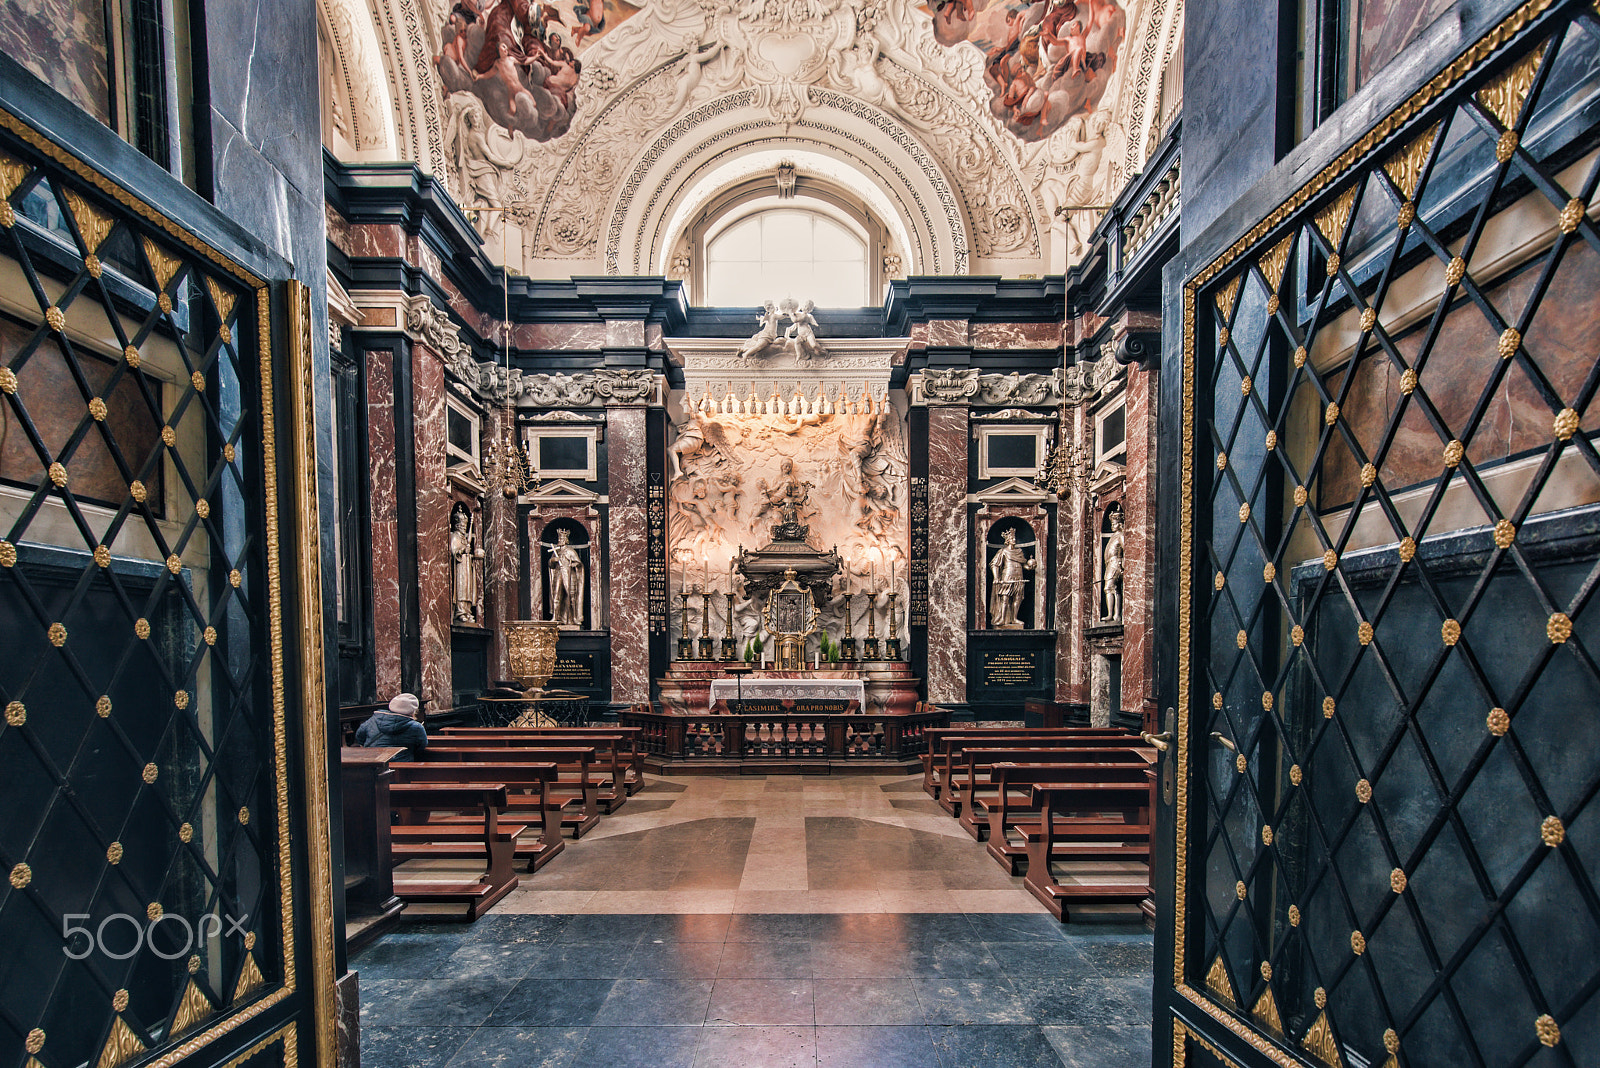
481, 164
566, 582
1111, 568
951, 384
466, 557
1009, 578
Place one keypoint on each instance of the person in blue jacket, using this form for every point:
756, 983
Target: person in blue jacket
398, 726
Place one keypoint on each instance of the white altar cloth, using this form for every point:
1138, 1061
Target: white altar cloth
792, 689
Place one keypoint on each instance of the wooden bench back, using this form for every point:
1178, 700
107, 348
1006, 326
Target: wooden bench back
1009, 774
449, 772
527, 754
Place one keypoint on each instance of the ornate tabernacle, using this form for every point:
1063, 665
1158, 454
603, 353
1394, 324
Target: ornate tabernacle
791, 619
531, 651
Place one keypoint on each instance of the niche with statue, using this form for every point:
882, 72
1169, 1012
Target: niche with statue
565, 561
1015, 569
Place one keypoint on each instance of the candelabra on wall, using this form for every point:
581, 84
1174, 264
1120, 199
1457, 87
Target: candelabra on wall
1066, 467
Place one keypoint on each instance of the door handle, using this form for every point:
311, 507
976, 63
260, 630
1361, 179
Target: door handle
1225, 741
1160, 741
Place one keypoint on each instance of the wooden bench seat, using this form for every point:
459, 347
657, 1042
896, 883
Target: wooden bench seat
484, 836
973, 787
1012, 813
526, 801
576, 788
1094, 801
941, 739
625, 739
952, 773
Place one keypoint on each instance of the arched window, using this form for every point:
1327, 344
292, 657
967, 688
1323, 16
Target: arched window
787, 252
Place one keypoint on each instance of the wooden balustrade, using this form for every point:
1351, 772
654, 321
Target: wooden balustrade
736, 736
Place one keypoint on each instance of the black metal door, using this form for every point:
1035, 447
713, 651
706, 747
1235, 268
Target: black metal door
1387, 740
163, 804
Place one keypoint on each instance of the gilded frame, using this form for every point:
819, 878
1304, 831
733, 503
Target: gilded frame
299, 449
1383, 135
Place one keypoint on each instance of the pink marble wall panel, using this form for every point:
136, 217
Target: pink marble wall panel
559, 335
433, 523
373, 239
1138, 582
654, 336
625, 333
1016, 335
484, 324
949, 332
338, 229
627, 570
385, 534
1074, 591
947, 555
919, 332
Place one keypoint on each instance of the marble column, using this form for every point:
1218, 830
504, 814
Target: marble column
384, 533
627, 566
1138, 579
502, 556
433, 523
1076, 591
947, 555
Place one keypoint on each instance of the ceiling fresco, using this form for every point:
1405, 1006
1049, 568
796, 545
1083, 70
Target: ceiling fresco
557, 118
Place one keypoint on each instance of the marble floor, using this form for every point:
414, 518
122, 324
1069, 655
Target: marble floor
770, 921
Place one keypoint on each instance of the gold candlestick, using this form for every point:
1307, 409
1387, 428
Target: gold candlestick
847, 645
869, 645
891, 647
729, 652
685, 641
707, 644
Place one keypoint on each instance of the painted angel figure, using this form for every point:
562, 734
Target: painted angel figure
802, 331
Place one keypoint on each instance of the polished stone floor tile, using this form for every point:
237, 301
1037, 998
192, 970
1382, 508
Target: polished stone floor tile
762, 1001
640, 1002
409, 1046
971, 1001
1110, 1046
862, 960
515, 1047
863, 1002
432, 1002
406, 954
1120, 959
552, 1003
507, 927
879, 1047
675, 960
1021, 928
486, 959
1087, 1001
1041, 958
579, 960
765, 960
791, 1046
1015, 1046
638, 1047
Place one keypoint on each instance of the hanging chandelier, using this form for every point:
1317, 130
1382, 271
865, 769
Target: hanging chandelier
1065, 467
506, 464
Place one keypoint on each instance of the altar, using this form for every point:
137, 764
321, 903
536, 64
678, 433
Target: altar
771, 691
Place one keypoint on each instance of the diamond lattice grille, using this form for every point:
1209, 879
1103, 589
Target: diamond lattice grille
1398, 536
138, 788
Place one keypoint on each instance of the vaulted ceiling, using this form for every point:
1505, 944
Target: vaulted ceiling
599, 127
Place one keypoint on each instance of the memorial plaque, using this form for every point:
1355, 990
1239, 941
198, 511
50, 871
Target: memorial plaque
573, 671
1010, 669
811, 707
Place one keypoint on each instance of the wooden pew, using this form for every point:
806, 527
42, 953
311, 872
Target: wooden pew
972, 789
576, 788
935, 761
1058, 803
952, 783
1011, 813
616, 746
483, 836
530, 782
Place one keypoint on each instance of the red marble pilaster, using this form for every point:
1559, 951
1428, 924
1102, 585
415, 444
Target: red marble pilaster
433, 523
1138, 582
627, 569
385, 533
947, 555
501, 555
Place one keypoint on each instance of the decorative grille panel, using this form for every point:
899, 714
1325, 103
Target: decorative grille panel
1395, 536
142, 818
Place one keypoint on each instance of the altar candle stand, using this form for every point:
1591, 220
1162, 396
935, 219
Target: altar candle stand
869, 645
847, 645
708, 645
685, 640
729, 652
891, 645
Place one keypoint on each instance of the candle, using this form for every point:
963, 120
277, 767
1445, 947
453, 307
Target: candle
891, 572
872, 576
705, 574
